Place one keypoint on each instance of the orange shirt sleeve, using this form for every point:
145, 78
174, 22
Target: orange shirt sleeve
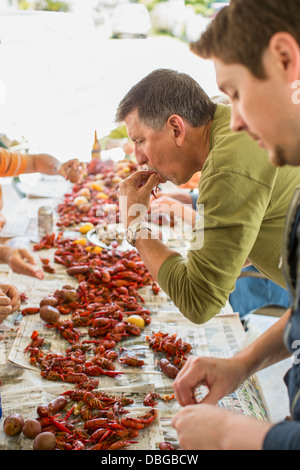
12, 163
193, 183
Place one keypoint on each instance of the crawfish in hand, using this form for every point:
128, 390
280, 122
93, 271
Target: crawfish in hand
155, 191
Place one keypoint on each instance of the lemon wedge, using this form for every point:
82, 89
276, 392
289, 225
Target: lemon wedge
136, 320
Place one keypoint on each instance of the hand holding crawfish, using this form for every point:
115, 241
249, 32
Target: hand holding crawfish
134, 196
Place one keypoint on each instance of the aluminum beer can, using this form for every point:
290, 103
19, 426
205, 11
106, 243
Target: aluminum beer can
45, 221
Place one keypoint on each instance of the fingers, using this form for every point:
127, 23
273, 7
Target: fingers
134, 195
198, 372
22, 262
72, 170
220, 376
186, 383
151, 182
4, 312
26, 255
9, 301
4, 300
14, 296
26, 269
143, 179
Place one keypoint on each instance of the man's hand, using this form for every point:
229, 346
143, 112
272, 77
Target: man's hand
22, 262
9, 300
220, 376
206, 427
199, 427
134, 196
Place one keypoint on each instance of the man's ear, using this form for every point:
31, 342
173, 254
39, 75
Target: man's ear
177, 126
285, 50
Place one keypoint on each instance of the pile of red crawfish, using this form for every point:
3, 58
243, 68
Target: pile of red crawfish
89, 419
106, 295
99, 188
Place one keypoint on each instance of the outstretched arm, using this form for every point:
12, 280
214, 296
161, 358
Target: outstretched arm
223, 376
49, 165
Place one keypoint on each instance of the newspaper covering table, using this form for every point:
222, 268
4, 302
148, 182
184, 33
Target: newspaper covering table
23, 388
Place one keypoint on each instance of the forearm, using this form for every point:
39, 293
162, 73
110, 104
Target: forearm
42, 163
207, 427
267, 350
243, 433
152, 251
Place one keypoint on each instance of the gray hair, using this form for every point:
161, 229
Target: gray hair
165, 92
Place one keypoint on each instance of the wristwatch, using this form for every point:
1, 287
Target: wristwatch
132, 231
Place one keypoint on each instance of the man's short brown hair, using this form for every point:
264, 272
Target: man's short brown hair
241, 32
164, 92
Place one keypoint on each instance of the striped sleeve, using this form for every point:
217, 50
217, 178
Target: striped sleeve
12, 163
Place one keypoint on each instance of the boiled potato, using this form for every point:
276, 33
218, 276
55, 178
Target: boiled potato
13, 424
49, 314
31, 428
44, 441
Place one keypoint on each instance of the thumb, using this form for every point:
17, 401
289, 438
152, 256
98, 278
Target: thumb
212, 397
25, 254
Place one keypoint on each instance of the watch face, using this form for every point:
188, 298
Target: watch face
131, 232
130, 236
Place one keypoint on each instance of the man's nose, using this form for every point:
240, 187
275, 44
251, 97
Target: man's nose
140, 156
237, 124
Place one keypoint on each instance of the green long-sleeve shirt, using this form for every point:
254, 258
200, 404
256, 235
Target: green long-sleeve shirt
245, 202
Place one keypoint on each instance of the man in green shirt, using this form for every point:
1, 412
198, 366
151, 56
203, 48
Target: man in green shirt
177, 130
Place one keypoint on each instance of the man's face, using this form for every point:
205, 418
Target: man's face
158, 150
263, 108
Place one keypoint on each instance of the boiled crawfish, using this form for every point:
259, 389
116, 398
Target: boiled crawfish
163, 342
131, 361
141, 422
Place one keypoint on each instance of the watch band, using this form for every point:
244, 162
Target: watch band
132, 231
